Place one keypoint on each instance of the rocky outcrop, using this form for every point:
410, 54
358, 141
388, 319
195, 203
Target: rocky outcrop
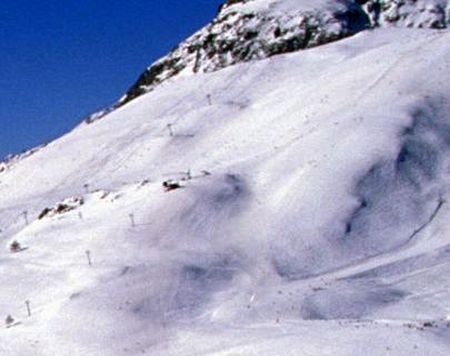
408, 13
246, 30
63, 207
241, 34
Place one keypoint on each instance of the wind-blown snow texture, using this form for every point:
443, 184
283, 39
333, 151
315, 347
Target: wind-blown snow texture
311, 218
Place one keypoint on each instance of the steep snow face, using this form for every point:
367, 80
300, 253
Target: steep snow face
310, 199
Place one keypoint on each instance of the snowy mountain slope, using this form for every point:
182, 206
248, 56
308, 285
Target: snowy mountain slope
312, 216
316, 211
258, 29
245, 31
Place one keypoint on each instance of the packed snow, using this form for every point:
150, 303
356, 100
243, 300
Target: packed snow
304, 212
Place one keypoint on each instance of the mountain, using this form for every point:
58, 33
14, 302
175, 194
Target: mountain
409, 13
251, 30
283, 203
257, 29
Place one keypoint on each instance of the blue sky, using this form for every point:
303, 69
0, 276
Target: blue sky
63, 59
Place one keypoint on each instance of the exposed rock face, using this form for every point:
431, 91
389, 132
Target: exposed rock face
408, 13
246, 30
65, 206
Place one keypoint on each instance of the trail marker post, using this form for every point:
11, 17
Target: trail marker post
88, 255
27, 303
133, 224
25, 216
169, 127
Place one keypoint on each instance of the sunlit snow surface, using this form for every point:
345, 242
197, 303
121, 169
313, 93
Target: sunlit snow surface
315, 221
287, 6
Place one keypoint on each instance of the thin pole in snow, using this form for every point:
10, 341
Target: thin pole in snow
25, 216
169, 127
132, 220
27, 303
88, 255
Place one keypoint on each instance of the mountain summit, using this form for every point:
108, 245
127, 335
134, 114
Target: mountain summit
251, 30
260, 199
247, 30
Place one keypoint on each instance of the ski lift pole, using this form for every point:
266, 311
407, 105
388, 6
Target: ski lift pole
169, 127
88, 255
133, 224
25, 216
27, 303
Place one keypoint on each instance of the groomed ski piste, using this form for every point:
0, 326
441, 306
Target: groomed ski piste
309, 213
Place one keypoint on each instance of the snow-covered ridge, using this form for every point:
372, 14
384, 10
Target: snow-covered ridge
247, 30
10, 160
251, 30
